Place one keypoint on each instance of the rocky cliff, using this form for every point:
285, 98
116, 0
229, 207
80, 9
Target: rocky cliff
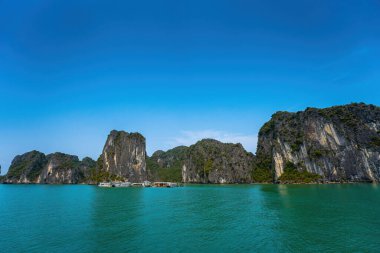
211, 161
26, 168
167, 166
207, 161
340, 143
57, 168
61, 169
86, 168
123, 156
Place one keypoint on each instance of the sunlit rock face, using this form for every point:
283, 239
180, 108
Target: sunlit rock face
61, 169
211, 161
57, 168
26, 168
124, 156
340, 143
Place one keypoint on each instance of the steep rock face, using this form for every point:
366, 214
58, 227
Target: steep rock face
210, 161
167, 166
57, 168
61, 169
85, 169
340, 143
124, 156
26, 168
171, 157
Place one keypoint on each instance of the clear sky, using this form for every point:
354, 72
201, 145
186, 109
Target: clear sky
176, 71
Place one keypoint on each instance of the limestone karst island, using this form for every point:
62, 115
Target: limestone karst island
333, 145
199, 126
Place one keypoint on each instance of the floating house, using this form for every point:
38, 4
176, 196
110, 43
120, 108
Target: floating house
143, 184
165, 184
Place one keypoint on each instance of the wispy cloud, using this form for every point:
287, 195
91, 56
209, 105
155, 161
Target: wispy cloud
188, 138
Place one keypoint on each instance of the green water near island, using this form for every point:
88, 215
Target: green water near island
196, 218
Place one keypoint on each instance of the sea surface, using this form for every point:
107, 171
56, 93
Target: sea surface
195, 218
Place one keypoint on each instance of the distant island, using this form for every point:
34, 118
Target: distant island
337, 144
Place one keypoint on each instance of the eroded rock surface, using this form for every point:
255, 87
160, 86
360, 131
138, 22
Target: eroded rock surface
211, 161
124, 156
341, 143
57, 168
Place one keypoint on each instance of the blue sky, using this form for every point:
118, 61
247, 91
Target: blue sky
176, 71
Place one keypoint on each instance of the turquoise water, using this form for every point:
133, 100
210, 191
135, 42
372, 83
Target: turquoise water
238, 218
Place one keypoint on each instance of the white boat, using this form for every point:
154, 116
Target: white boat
105, 184
147, 184
122, 184
170, 184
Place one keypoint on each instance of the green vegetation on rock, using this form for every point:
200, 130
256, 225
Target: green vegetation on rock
28, 165
98, 174
262, 172
172, 174
157, 173
332, 140
267, 127
342, 142
211, 161
208, 167
262, 175
166, 166
375, 141
292, 175
16, 170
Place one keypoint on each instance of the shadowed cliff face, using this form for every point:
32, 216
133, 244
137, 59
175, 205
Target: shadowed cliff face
167, 166
61, 169
207, 161
340, 143
210, 161
124, 156
57, 168
26, 168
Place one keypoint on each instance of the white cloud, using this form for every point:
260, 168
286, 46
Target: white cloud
188, 138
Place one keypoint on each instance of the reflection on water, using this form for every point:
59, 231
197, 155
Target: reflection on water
282, 190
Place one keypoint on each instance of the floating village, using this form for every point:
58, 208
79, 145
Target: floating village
143, 184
